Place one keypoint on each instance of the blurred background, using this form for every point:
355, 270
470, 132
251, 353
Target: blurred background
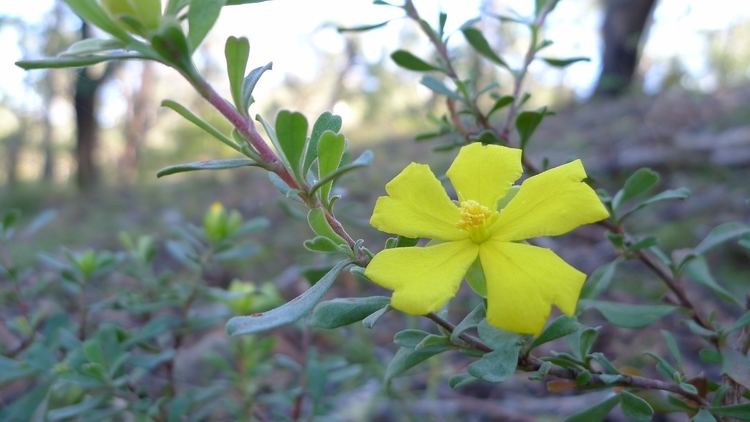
667, 85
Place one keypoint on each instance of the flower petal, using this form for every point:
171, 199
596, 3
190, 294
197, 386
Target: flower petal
523, 281
484, 173
417, 206
423, 278
550, 204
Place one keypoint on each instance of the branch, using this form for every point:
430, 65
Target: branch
530, 363
519, 77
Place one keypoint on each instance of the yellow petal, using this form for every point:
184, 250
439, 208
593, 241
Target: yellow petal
523, 281
484, 173
549, 204
417, 206
423, 278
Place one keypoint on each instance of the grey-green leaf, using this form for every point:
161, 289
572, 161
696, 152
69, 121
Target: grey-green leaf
598, 412
288, 312
248, 84
221, 164
722, 234
439, 87
196, 120
599, 280
737, 411
75, 61
344, 311
697, 270
629, 315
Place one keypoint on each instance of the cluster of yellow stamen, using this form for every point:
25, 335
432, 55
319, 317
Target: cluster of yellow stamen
475, 219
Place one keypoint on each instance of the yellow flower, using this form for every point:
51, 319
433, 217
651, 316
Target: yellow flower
523, 281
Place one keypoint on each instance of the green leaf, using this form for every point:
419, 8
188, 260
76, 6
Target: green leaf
476, 39
439, 87
635, 408
221, 164
362, 28
75, 61
92, 12
475, 278
248, 84
325, 122
330, 151
663, 366
202, 16
409, 61
207, 127
170, 43
597, 413
629, 315
703, 416
599, 280
737, 411
316, 218
564, 62
406, 359
363, 160
722, 234
344, 311
639, 183
500, 103
560, 327
697, 270
290, 311
667, 195
237, 51
527, 122
291, 131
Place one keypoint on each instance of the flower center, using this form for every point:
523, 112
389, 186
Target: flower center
475, 219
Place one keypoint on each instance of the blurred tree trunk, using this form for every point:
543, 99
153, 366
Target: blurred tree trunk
13, 152
624, 24
87, 127
51, 89
138, 122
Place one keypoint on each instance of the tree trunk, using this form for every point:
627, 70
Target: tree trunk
87, 129
87, 126
624, 24
140, 116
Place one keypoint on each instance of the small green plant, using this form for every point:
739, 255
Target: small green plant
72, 361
